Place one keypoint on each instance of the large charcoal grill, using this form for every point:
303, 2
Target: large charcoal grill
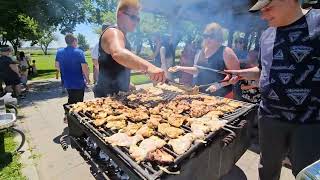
210, 160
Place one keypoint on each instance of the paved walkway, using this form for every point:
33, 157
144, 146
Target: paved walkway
42, 120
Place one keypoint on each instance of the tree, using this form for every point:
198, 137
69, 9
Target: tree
24, 20
20, 28
82, 42
101, 11
47, 37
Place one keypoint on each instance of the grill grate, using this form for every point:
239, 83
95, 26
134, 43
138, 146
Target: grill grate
150, 170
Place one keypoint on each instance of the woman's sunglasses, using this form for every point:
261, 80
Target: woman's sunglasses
132, 17
208, 36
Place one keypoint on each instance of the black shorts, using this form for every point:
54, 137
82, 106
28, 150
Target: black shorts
11, 81
75, 95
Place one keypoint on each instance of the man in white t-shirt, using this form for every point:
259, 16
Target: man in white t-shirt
95, 57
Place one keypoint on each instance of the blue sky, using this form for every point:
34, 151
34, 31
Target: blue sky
86, 29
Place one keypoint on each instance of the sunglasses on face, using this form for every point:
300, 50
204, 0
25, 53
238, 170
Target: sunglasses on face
208, 36
132, 17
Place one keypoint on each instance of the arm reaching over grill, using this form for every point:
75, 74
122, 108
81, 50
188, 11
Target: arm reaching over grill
122, 139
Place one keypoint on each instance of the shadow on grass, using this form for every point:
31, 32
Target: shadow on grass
43, 74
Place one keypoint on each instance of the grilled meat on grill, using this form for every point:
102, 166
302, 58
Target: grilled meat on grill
169, 88
166, 113
156, 110
160, 156
137, 116
177, 120
154, 121
182, 143
199, 123
122, 139
139, 153
116, 124
132, 128
214, 114
100, 122
145, 131
154, 90
199, 129
182, 106
116, 118
169, 131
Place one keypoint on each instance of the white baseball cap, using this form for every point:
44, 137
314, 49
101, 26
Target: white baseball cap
259, 5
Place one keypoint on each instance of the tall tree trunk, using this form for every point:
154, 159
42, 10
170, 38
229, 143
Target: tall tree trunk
46, 49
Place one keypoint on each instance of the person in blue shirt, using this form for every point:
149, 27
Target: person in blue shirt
71, 62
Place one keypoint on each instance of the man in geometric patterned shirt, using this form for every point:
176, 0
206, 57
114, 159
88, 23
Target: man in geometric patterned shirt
289, 72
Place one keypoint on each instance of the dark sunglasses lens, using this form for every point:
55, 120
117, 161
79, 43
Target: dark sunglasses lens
207, 36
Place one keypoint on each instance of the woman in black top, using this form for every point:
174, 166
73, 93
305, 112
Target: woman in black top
216, 56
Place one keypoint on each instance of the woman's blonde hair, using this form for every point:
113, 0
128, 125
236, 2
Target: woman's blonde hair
126, 4
215, 30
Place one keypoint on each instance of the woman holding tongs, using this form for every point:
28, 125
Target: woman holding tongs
211, 62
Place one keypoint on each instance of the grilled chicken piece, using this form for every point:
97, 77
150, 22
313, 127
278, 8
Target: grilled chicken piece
156, 110
100, 122
215, 125
154, 90
160, 156
166, 113
78, 107
198, 111
235, 104
169, 131
199, 129
182, 143
145, 131
116, 124
116, 118
182, 106
140, 153
132, 128
172, 105
137, 116
177, 120
154, 121
225, 108
214, 114
122, 139
200, 126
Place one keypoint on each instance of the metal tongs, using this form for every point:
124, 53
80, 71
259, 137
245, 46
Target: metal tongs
212, 70
196, 89
188, 90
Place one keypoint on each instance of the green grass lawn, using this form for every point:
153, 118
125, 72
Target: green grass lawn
11, 171
46, 68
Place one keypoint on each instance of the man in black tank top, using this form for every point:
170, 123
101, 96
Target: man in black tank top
115, 58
